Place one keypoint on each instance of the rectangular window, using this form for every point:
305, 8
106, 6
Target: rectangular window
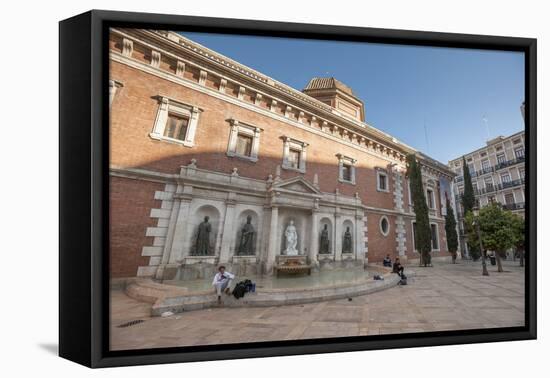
519, 152
522, 174
431, 202
176, 127
294, 158
509, 198
505, 178
435, 237
244, 145
501, 158
382, 179
491, 199
485, 165
346, 172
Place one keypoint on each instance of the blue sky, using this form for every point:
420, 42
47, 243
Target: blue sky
433, 99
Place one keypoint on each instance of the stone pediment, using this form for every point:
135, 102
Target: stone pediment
296, 185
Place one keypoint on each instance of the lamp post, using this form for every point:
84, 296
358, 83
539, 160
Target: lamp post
475, 210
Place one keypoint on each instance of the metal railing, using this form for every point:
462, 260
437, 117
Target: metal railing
498, 166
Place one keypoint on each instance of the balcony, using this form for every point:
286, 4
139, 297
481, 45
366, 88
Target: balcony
495, 168
514, 206
509, 163
495, 188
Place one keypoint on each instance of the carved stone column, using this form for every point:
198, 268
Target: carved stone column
272, 247
314, 241
180, 230
228, 230
337, 236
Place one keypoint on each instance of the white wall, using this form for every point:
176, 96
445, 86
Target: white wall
29, 191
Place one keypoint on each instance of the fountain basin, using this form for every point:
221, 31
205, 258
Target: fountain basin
181, 296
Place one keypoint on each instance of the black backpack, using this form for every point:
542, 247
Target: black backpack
239, 290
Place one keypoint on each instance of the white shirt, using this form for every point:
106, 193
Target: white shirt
219, 279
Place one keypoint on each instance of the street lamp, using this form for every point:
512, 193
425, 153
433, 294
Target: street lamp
475, 210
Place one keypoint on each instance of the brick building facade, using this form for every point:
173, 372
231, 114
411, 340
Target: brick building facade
195, 134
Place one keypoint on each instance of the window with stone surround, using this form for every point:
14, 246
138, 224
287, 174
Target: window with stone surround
384, 225
519, 152
176, 122
176, 127
346, 169
244, 141
382, 184
294, 154
501, 158
244, 145
430, 198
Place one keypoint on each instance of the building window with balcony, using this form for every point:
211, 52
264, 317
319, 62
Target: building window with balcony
244, 141
486, 165
176, 122
509, 199
522, 173
294, 154
501, 158
519, 152
382, 184
346, 169
488, 184
505, 178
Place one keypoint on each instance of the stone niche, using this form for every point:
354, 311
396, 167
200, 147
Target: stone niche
302, 222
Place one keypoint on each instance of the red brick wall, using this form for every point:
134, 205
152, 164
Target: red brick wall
133, 114
380, 245
131, 204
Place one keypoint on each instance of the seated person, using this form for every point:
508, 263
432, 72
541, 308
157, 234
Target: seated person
222, 282
397, 267
387, 261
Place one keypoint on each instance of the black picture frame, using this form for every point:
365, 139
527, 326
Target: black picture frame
84, 201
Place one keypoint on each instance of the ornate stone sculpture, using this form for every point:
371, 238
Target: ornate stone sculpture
346, 248
291, 240
325, 243
246, 246
202, 244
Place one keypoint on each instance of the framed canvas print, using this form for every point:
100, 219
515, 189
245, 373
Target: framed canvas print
234, 188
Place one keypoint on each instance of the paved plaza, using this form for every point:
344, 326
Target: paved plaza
445, 297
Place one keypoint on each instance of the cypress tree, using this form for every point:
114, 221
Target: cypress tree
468, 198
450, 231
423, 231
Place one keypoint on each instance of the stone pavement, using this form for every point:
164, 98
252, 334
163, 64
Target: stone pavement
445, 297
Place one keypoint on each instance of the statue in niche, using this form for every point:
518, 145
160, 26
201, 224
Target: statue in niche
347, 242
202, 244
325, 243
291, 237
246, 246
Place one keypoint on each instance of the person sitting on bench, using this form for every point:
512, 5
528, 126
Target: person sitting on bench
222, 282
387, 261
397, 267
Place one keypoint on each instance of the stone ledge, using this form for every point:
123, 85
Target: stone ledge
176, 299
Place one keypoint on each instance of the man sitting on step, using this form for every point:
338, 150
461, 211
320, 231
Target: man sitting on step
222, 282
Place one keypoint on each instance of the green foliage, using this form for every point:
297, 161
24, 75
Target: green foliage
518, 225
423, 230
497, 228
471, 235
468, 198
450, 229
